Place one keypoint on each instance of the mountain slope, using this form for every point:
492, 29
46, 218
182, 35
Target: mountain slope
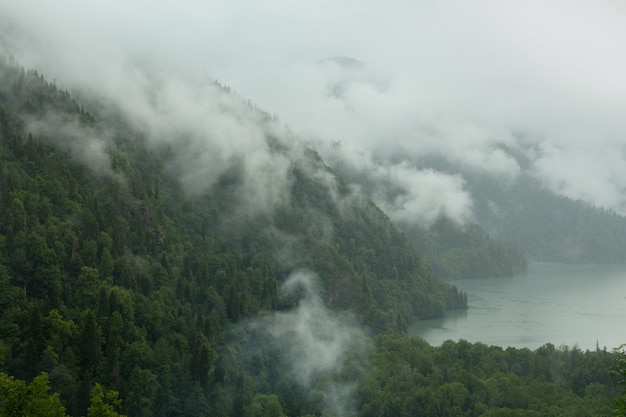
521, 214
453, 248
548, 227
114, 268
467, 251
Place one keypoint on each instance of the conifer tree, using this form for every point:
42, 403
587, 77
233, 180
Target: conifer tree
90, 342
104, 404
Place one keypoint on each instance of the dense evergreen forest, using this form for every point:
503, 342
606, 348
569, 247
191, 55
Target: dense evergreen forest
452, 250
551, 228
459, 252
544, 226
122, 293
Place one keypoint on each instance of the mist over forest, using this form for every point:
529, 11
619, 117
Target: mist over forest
233, 209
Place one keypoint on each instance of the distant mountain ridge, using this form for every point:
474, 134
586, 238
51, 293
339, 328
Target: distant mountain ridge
545, 226
345, 62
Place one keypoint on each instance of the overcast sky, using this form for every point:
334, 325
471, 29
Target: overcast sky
437, 77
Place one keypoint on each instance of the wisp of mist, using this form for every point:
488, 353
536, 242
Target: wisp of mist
323, 352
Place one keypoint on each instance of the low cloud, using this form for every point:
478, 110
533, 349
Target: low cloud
408, 194
449, 78
317, 345
87, 145
597, 175
424, 195
211, 132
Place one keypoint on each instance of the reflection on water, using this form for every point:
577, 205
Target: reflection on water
551, 303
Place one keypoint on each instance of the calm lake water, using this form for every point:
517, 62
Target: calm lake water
551, 303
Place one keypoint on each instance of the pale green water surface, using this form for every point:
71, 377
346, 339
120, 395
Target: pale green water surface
551, 303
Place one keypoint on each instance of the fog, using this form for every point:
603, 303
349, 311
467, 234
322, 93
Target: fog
320, 351
86, 144
450, 78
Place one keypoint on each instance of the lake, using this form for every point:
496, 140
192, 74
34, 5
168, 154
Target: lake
551, 303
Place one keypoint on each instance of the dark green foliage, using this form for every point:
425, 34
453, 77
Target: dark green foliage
264, 406
620, 373
89, 345
410, 377
18, 399
118, 285
457, 252
103, 403
363, 248
110, 274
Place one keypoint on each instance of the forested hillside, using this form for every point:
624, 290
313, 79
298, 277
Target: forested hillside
546, 227
453, 249
458, 252
111, 272
122, 291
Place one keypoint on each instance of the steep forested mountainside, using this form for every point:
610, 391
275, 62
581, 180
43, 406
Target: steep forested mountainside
458, 252
548, 227
111, 272
452, 250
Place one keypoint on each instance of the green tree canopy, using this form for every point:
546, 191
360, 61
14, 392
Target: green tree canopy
264, 405
18, 399
104, 403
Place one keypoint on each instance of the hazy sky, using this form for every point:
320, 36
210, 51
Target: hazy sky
444, 77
